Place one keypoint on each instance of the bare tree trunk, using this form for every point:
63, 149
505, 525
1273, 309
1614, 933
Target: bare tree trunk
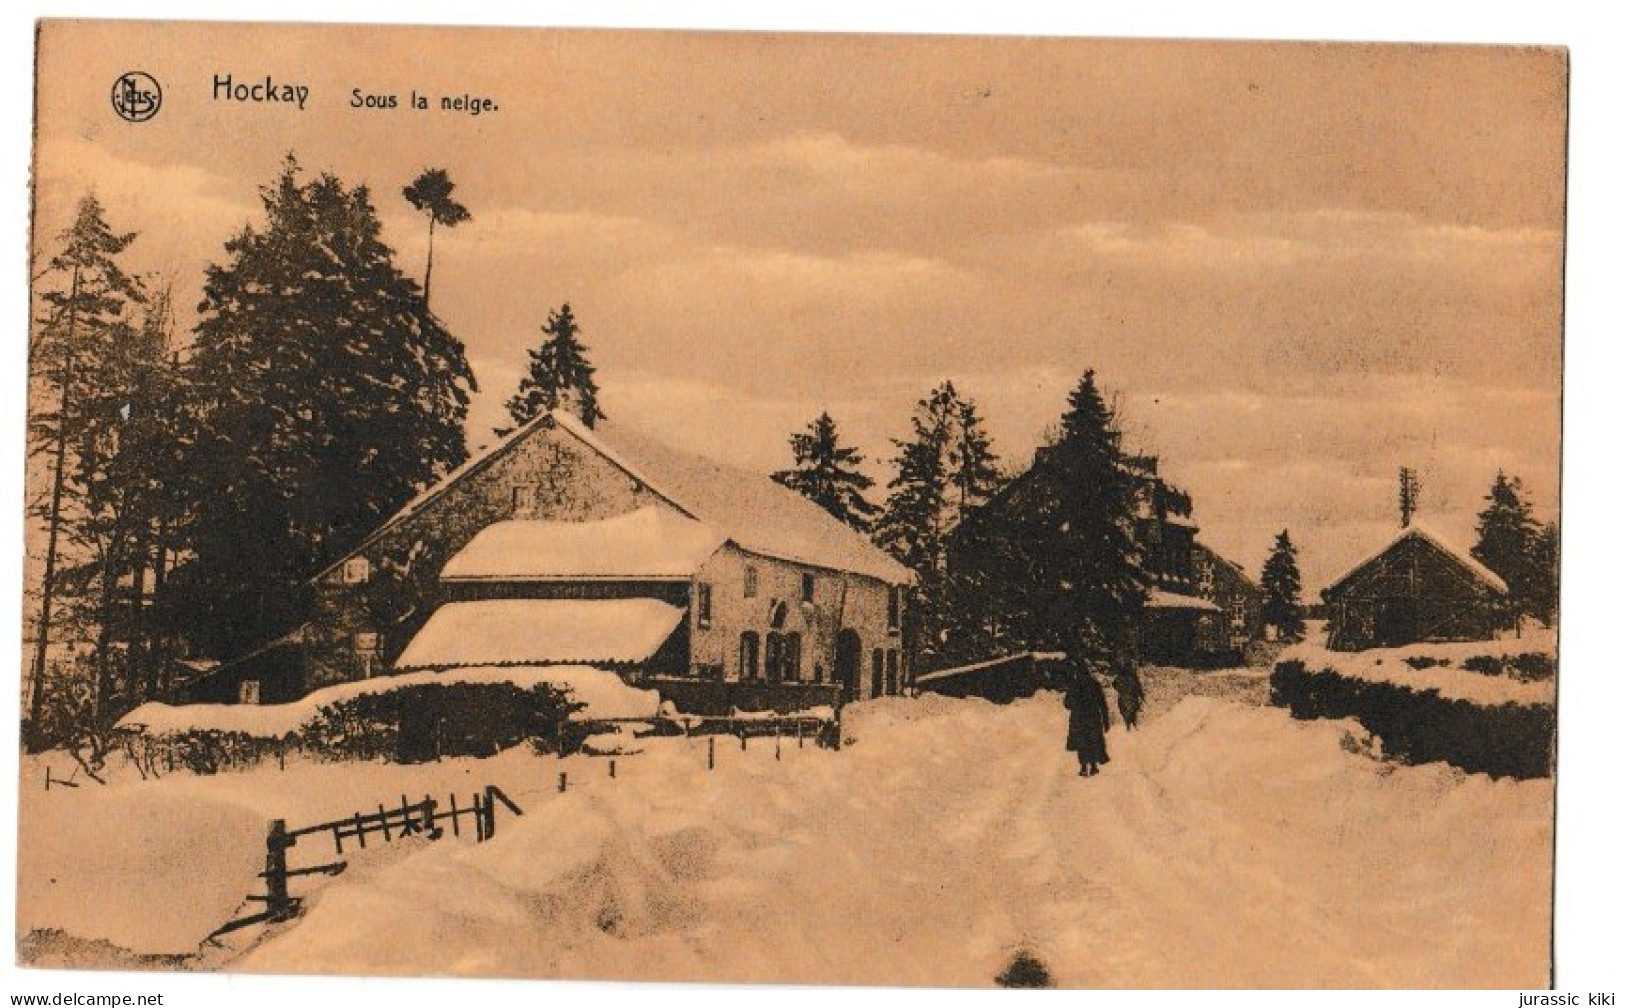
158, 642
428, 269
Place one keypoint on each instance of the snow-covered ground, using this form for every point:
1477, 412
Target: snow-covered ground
1224, 845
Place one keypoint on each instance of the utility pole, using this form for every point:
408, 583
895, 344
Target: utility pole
1410, 494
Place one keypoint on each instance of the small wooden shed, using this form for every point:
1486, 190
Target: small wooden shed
1416, 588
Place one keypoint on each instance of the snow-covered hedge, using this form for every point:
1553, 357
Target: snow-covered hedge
1510, 670
1420, 725
416, 716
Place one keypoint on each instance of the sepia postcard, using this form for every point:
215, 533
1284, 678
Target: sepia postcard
818, 509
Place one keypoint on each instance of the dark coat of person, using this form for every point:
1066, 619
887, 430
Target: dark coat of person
1130, 695
1089, 717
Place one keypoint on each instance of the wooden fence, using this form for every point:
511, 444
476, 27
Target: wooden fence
422, 818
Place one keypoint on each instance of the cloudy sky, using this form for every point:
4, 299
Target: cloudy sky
1297, 267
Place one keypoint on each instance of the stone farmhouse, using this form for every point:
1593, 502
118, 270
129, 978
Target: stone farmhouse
565, 544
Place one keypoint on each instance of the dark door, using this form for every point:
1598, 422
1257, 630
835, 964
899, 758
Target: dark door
848, 658
1397, 622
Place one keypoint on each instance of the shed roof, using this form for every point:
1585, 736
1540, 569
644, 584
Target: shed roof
1419, 533
541, 632
651, 543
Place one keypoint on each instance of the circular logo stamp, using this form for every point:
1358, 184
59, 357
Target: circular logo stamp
136, 96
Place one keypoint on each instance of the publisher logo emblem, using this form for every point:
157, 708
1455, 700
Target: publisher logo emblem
136, 96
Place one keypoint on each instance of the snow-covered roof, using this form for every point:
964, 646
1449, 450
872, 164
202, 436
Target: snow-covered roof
749, 508
1416, 531
1160, 599
651, 543
541, 632
744, 506
605, 694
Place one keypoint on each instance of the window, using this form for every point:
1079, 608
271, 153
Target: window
808, 582
752, 582
702, 606
248, 691
893, 665
356, 570
365, 646
524, 500
894, 609
750, 656
877, 673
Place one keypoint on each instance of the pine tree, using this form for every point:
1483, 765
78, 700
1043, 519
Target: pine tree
944, 470
828, 474
84, 345
430, 194
1283, 590
560, 376
1057, 565
1507, 537
327, 396
1544, 583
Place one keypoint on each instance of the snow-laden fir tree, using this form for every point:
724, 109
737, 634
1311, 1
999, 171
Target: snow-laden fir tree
559, 376
1095, 567
85, 340
328, 396
1283, 590
828, 473
1518, 548
946, 468
1055, 565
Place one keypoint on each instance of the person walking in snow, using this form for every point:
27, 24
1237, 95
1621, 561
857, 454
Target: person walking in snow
1130, 695
1087, 721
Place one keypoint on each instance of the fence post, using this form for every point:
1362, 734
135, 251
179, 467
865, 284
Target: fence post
611, 769
430, 830
710, 752
278, 906
776, 743
564, 781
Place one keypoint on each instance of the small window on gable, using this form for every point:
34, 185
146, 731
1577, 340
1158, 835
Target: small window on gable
356, 570
524, 500
248, 691
752, 582
808, 583
702, 606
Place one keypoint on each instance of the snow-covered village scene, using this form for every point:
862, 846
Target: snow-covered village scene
796, 509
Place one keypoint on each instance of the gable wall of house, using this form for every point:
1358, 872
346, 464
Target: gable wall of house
1240, 621
363, 622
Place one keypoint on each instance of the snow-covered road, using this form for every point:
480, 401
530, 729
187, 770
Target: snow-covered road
1224, 845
